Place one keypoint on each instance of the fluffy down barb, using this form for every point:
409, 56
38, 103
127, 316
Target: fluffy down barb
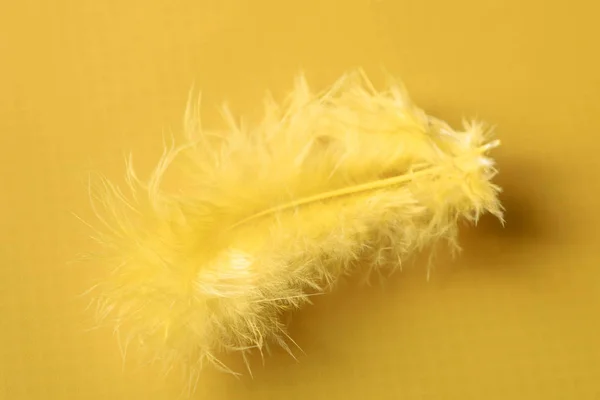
265, 216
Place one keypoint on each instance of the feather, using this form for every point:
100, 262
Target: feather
263, 217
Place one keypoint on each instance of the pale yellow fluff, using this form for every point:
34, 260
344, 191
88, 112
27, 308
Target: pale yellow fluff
264, 216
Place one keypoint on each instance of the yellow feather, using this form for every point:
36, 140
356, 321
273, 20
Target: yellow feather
266, 216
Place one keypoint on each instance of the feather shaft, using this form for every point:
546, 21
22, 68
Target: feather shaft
355, 189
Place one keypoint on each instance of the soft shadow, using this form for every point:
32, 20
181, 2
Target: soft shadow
523, 184
529, 228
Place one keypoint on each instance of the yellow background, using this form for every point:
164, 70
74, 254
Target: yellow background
516, 317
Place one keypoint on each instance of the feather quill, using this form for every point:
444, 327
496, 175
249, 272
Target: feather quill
265, 216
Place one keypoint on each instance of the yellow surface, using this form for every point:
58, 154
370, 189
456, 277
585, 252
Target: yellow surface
516, 317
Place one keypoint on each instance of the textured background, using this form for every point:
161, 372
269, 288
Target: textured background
83, 82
